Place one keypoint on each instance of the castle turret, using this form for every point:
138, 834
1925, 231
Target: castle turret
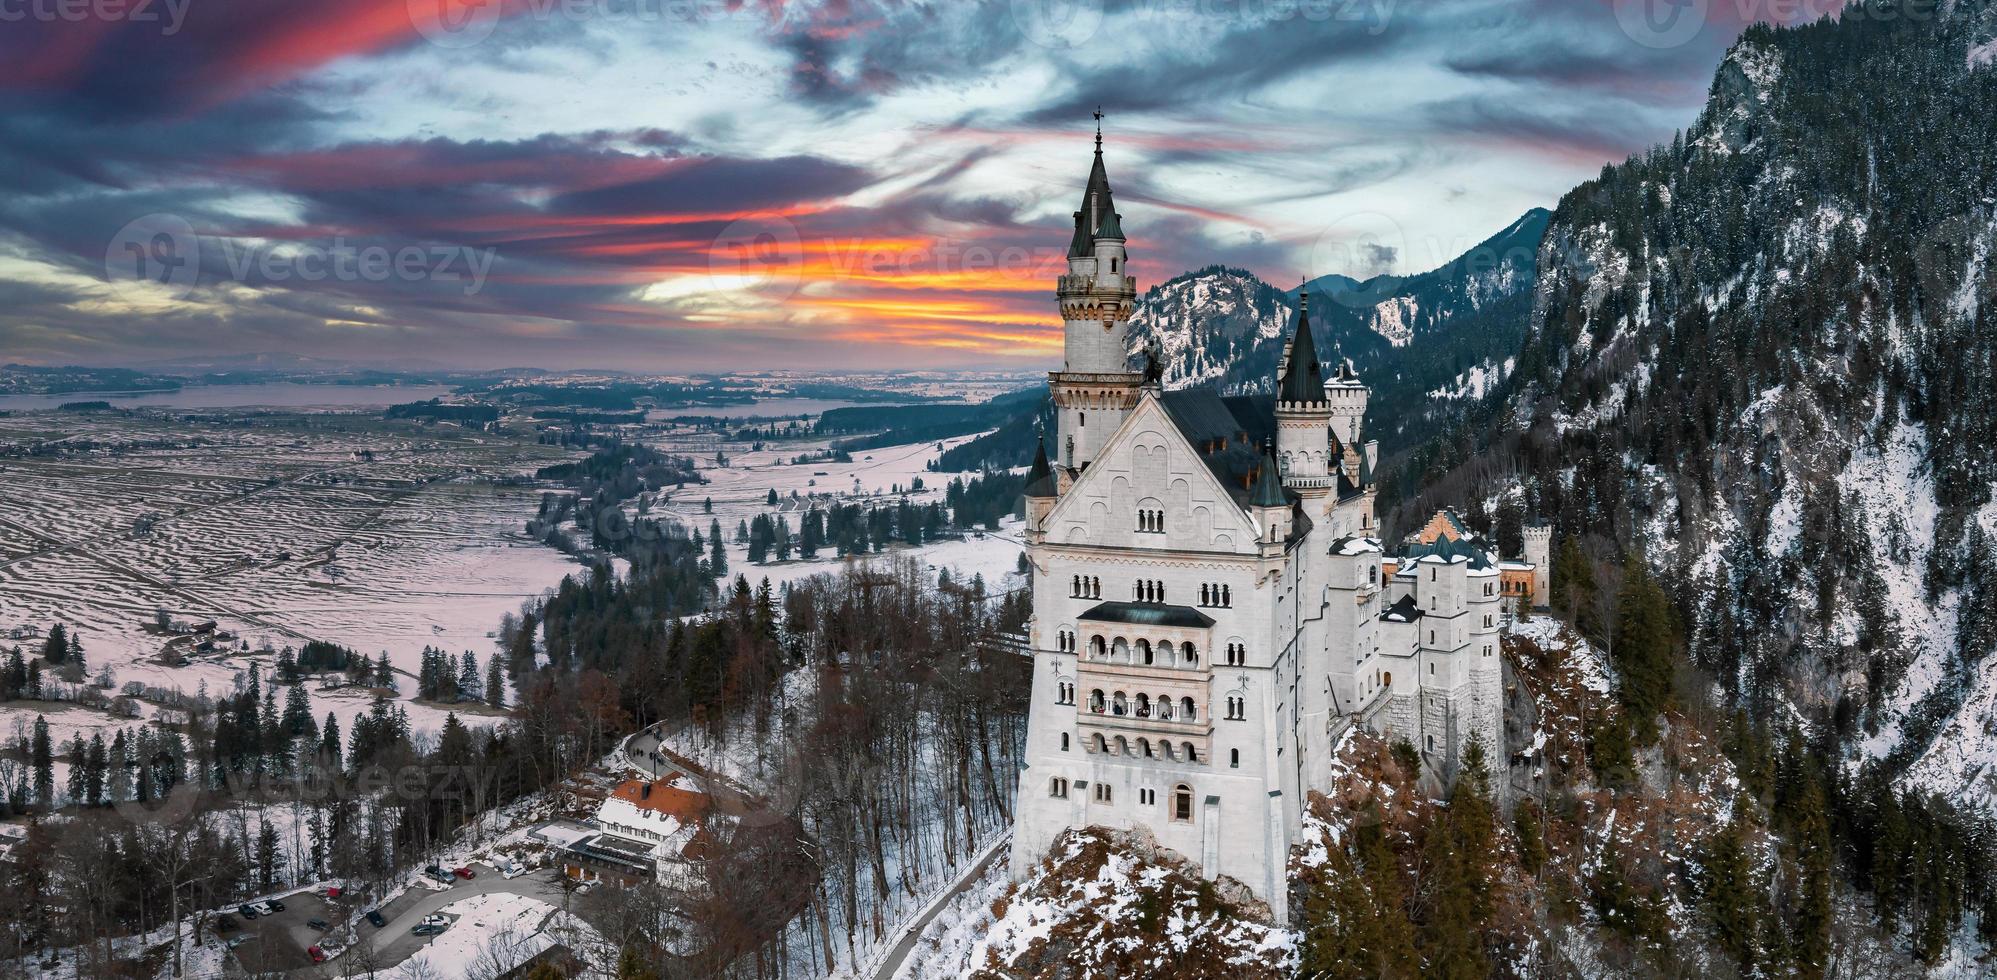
1267, 502
1303, 413
1095, 386
1538, 551
1347, 395
1042, 491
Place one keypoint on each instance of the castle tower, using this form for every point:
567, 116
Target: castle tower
1042, 491
1303, 413
1095, 387
1538, 551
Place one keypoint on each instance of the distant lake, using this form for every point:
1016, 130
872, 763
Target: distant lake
772, 408
280, 394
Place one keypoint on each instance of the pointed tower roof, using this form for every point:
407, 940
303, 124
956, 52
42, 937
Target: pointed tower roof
1268, 482
1081, 245
1040, 479
1303, 376
1097, 207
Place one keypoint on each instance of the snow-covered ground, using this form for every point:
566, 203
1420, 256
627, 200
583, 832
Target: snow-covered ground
492, 933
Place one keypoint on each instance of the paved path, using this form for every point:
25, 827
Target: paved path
896, 957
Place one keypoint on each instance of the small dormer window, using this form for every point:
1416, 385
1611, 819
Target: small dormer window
1112, 265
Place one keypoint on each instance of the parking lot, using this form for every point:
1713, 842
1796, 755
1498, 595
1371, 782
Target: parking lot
278, 942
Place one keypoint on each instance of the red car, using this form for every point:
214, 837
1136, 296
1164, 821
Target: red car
463, 872
332, 891
318, 955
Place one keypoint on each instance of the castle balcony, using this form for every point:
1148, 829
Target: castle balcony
1112, 285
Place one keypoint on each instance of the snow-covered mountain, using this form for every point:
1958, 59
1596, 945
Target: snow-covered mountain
1452, 329
1765, 356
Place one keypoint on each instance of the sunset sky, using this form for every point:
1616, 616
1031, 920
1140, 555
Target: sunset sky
698, 185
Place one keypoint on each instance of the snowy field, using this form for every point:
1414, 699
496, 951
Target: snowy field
279, 528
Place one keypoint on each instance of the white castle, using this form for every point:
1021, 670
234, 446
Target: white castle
1212, 605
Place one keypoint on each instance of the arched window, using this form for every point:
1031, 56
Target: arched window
1058, 788
1144, 651
1192, 754
1187, 708
1096, 647
1226, 596
1387, 679
1143, 705
1118, 705
1122, 745
1096, 700
1099, 744
1182, 803
1144, 747
1234, 758
1192, 655
1165, 707
1064, 741
1203, 593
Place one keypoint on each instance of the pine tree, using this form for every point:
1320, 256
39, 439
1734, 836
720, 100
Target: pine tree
468, 679
41, 758
717, 562
55, 648
267, 853
495, 682
97, 765
771, 499
1730, 894
1644, 641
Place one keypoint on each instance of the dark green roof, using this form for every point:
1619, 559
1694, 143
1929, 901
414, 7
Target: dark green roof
1112, 226
1303, 376
1080, 245
1268, 489
1148, 614
1040, 479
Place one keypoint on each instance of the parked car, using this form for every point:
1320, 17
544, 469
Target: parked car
332, 891
275, 905
318, 955
264, 907
433, 870
433, 919
427, 931
246, 911
465, 873
511, 869
224, 922
375, 919
317, 923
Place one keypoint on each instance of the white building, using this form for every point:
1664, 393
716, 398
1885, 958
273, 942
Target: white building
1210, 612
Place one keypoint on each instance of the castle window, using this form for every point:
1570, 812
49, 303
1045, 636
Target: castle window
1058, 789
1431, 668
1192, 754
1144, 747
1192, 655
1234, 758
1102, 793
1187, 708
1182, 803
1143, 705
1096, 700
1144, 651
1096, 651
1064, 741
1226, 596
1100, 744
1118, 705
1237, 708
1431, 743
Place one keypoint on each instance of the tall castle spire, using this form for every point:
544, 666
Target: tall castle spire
1302, 379
1095, 386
